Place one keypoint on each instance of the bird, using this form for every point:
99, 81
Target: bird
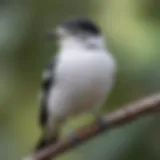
78, 78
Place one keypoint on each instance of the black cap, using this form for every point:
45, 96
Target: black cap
81, 25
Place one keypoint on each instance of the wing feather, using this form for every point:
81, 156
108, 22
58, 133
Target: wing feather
47, 82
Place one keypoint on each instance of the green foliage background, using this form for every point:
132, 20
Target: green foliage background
132, 28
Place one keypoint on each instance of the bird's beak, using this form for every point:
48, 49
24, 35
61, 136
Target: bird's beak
52, 35
57, 34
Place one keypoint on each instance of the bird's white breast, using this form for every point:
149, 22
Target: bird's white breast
82, 82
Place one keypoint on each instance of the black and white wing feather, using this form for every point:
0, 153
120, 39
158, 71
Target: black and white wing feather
47, 85
47, 82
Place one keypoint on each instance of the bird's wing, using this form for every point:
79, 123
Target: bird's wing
47, 82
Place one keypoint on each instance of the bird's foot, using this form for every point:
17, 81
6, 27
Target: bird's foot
101, 122
73, 137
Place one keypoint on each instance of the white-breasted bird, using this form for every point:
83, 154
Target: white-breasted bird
77, 79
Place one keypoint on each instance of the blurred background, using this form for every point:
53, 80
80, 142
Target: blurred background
132, 29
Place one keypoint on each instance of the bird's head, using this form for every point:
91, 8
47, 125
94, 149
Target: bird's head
78, 32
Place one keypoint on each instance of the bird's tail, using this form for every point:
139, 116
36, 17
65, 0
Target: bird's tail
45, 142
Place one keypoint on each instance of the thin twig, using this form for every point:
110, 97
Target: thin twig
118, 118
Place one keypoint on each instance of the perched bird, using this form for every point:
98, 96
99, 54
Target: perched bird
77, 79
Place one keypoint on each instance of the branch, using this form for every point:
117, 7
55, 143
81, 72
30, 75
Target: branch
120, 117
